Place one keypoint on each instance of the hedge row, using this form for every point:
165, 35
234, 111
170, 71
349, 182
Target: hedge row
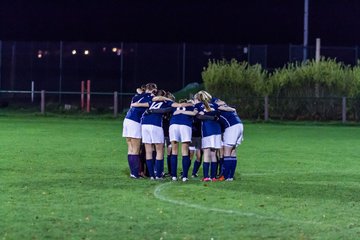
295, 89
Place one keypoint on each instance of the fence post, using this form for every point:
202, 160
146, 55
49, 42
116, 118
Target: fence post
343, 109
115, 104
42, 102
32, 91
82, 95
88, 96
266, 108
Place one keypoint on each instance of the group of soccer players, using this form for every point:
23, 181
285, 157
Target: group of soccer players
203, 126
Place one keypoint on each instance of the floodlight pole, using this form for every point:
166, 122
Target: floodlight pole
121, 74
0, 62
61, 70
183, 64
306, 29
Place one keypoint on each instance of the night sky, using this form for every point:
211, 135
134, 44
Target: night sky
336, 22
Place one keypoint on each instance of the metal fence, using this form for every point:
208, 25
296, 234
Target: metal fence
59, 67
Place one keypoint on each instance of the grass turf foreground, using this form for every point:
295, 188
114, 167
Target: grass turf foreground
68, 179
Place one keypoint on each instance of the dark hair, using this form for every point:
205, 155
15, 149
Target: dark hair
170, 96
160, 92
151, 87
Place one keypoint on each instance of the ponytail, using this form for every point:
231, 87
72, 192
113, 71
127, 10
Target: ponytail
204, 99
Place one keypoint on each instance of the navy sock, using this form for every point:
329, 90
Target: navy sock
168, 160
159, 167
221, 163
186, 165
214, 167
130, 163
233, 167
134, 164
206, 166
174, 165
227, 166
196, 167
150, 167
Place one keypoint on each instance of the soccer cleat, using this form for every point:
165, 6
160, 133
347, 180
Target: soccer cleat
214, 180
185, 179
152, 178
229, 179
206, 179
221, 178
159, 178
133, 176
194, 176
174, 178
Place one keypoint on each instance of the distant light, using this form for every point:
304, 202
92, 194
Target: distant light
73, 52
114, 49
39, 54
119, 52
86, 52
104, 49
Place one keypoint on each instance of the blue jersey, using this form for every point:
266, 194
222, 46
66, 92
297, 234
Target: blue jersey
155, 118
214, 100
182, 119
228, 119
209, 127
135, 113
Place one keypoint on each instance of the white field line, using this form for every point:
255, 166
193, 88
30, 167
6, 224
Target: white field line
158, 194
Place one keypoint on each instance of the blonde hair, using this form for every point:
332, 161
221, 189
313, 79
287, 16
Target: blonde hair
205, 98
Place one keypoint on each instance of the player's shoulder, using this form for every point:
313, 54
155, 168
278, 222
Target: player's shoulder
198, 105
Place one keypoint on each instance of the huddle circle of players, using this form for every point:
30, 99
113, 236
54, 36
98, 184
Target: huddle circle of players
203, 126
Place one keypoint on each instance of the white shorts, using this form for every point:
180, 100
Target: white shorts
213, 141
131, 129
152, 134
233, 135
192, 148
180, 133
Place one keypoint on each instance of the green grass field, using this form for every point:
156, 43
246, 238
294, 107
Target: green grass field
67, 178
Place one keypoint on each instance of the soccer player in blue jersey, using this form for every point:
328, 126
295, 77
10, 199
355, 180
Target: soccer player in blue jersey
166, 125
180, 131
195, 145
132, 127
232, 137
153, 133
211, 134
